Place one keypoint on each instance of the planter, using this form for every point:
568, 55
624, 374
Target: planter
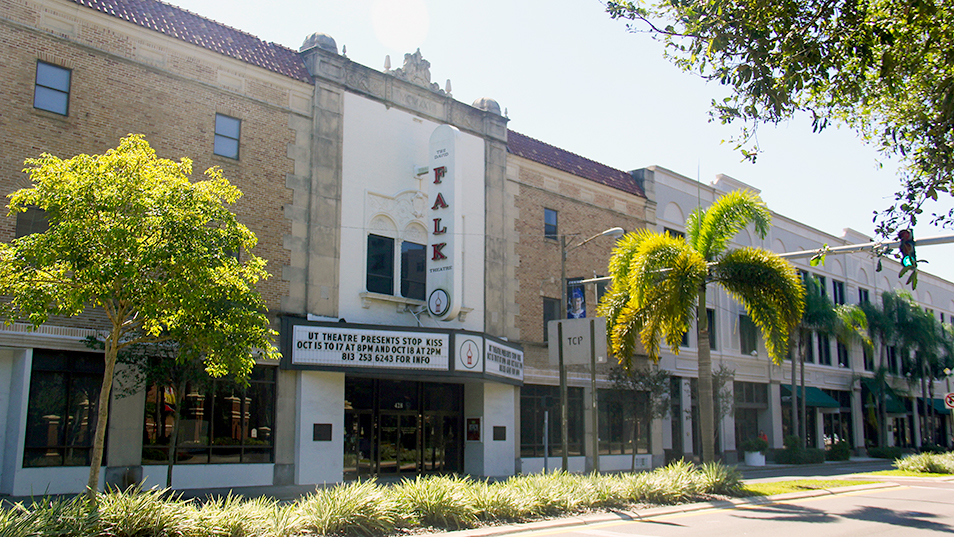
754, 458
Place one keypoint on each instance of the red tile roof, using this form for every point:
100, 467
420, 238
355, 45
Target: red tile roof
554, 157
191, 28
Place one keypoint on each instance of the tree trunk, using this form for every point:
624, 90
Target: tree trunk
706, 417
99, 439
174, 441
632, 441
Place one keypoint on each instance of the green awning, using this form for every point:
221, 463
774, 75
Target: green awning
813, 396
894, 403
938, 404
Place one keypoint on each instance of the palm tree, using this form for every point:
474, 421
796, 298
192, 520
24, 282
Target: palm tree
660, 282
818, 316
882, 330
845, 322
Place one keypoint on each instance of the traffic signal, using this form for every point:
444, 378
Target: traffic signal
908, 257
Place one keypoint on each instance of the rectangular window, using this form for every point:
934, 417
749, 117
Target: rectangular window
624, 422
602, 287
837, 292
822, 284
52, 91
843, 359
862, 296
748, 335
380, 264
31, 221
824, 350
550, 229
220, 421
227, 130
893, 360
534, 401
868, 358
710, 314
551, 312
62, 408
810, 348
674, 233
413, 274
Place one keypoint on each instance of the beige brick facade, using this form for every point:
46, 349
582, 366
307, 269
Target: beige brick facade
129, 80
584, 208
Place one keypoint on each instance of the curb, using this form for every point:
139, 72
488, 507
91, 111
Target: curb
612, 516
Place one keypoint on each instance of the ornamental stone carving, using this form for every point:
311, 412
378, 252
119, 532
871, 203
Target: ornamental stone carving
417, 71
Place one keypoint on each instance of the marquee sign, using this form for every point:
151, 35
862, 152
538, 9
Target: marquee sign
400, 350
350, 347
444, 276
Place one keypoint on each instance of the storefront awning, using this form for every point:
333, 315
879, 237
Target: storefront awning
937, 404
895, 405
813, 396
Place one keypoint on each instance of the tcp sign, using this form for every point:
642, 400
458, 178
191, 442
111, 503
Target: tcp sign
949, 400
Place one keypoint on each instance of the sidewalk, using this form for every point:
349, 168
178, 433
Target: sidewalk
613, 516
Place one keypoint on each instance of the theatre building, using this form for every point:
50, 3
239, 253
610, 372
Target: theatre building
380, 203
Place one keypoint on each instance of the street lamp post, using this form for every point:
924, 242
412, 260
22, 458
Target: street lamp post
564, 418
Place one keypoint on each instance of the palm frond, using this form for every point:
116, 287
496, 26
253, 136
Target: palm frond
653, 294
709, 232
770, 290
852, 324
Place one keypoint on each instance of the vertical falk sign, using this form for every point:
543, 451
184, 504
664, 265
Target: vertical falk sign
444, 243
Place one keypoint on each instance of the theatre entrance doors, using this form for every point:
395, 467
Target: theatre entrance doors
402, 428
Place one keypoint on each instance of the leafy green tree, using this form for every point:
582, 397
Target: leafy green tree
660, 284
885, 68
131, 236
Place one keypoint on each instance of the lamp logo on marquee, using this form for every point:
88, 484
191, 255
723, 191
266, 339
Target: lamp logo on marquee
444, 281
469, 354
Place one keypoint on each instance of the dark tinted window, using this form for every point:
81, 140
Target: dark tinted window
380, 264
227, 130
52, 91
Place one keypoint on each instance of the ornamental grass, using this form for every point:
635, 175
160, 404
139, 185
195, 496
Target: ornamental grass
365, 508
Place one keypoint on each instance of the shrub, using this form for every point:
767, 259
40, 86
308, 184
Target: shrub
800, 456
717, 478
440, 501
753, 444
932, 463
500, 502
885, 452
361, 507
839, 451
792, 441
932, 448
51, 517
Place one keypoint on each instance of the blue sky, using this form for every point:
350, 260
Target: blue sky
570, 76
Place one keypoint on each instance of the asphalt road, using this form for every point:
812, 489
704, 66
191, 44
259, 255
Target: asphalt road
918, 506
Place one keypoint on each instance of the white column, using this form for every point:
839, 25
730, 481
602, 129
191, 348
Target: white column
686, 407
493, 403
320, 402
